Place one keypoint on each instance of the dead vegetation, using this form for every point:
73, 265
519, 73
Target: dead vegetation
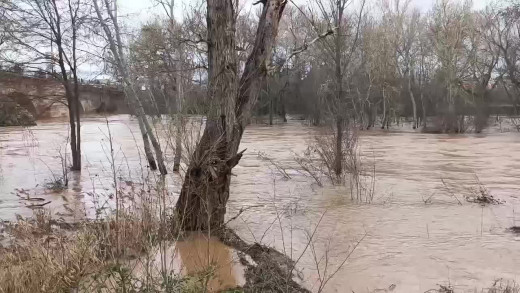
274, 165
498, 286
318, 162
481, 195
42, 254
475, 193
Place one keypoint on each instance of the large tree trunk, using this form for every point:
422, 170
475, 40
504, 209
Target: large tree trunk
205, 191
204, 194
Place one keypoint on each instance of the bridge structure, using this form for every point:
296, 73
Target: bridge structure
45, 97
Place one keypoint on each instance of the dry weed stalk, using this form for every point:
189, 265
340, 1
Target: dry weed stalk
317, 162
276, 165
475, 193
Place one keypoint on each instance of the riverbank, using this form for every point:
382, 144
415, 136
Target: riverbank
132, 254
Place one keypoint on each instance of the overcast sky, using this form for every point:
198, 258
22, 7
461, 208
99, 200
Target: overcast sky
145, 10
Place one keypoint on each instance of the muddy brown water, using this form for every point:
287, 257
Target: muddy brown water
407, 244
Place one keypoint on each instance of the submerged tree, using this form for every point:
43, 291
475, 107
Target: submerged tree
205, 191
37, 28
106, 12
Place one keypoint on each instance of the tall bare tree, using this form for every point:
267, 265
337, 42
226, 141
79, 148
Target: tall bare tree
404, 26
338, 52
106, 12
503, 33
37, 28
450, 26
205, 191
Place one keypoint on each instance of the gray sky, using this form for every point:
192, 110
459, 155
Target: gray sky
145, 10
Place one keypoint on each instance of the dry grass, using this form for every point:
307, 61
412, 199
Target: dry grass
43, 255
498, 286
41, 258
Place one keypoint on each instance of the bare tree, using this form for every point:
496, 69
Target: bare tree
502, 32
175, 57
484, 57
36, 28
338, 52
106, 12
450, 25
405, 36
4, 22
205, 192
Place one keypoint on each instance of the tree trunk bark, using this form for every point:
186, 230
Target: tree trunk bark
146, 142
338, 154
384, 110
205, 191
414, 105
271, 109
282, 99
146, 130
73, 139
423, 110
74, 69
204, 194
77, 114
282, 105
78, 125
71, 106
338, 159
156, 146
180, 118
178, 144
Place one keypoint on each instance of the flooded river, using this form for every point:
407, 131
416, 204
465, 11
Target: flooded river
414, 235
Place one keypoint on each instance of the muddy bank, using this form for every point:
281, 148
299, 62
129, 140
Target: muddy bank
269, 270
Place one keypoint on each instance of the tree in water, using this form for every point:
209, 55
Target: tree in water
106, 12
33, 25
205, 191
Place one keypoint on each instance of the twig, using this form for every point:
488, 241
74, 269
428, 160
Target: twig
36, 205
242, 209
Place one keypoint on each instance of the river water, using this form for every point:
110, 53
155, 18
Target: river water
414, 235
